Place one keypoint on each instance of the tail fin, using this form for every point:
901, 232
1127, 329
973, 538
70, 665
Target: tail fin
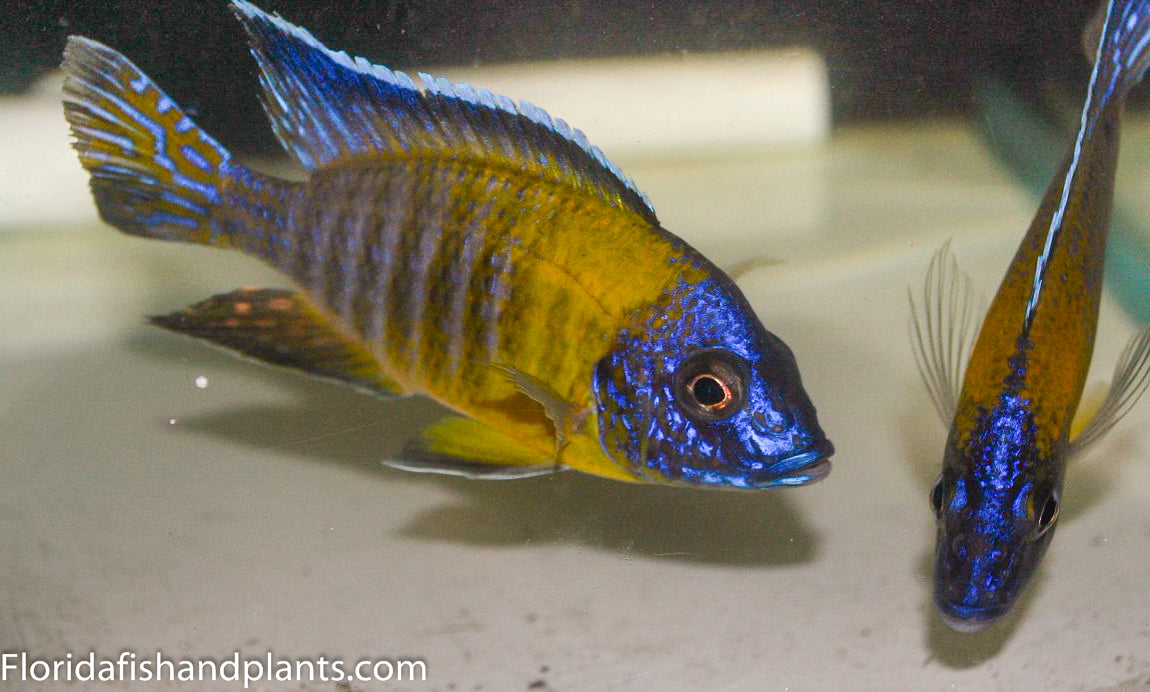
154, 172
1120, 50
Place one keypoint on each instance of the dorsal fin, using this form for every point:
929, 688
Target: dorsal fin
1120, 60
326, 106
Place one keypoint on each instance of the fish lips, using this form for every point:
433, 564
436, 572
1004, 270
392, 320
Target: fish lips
969, 619
803, 468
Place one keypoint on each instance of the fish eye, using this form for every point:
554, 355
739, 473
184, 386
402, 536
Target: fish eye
710, 385
1048, 515
936, 497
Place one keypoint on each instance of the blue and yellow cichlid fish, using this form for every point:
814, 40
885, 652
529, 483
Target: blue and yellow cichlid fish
455, 244
997, 500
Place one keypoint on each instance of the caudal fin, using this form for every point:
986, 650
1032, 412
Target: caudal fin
154, 172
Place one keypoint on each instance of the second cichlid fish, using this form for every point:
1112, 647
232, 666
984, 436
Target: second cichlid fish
997, 500
453, 243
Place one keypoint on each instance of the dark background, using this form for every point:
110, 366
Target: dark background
887, 59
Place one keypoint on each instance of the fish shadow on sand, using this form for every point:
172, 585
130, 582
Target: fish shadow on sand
1088, 481
335, 425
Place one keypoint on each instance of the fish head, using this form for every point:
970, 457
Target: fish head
700, 394
994, 523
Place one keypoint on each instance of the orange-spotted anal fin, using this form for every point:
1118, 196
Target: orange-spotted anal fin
458, 446
280, 328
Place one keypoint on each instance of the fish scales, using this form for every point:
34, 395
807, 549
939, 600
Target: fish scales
518, 235
454, 243
1058, 343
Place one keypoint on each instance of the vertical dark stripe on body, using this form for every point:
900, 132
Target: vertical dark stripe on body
346, 265
472, 239
423, 221
392, 207
435, 227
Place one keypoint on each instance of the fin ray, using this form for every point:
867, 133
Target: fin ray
457, 446
1131, 378
154, 173
325, 106
943, 330
560, 412
280, 328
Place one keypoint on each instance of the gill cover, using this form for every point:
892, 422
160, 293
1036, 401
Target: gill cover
713, 399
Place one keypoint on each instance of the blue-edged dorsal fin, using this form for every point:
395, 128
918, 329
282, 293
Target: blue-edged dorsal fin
1121, 33
326, 106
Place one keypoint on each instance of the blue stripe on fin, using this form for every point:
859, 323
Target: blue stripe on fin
153, 172
325, 106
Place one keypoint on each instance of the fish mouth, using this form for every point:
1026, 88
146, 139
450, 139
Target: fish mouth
969, 619
803, 468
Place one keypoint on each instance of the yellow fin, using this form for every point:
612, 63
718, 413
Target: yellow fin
463, 447
280, 328
1088, 407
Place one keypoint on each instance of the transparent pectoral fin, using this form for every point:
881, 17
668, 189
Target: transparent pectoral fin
943, 329
458, 446
1131, 378
563, 415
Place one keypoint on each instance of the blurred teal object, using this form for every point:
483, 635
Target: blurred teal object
1027, 139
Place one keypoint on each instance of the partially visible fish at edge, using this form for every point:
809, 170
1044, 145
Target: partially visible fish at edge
452, 243
1010, 415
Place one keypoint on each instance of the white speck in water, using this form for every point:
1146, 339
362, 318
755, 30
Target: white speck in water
202, 381
171, 421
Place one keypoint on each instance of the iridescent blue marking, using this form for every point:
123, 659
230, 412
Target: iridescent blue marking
325, 105
160, 219
635, 391
183, 202
987, 548
791, 463
1085, 127
121, 141
193, 157
208, 192
1114, 73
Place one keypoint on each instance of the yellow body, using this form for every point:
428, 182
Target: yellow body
1059, 341
561, 250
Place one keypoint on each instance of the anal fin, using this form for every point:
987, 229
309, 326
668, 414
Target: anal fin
463, 447
279, 327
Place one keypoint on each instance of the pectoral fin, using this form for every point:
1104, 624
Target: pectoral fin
740, 269
463, 447
943, 330
1131, 378
564, 416
280, 328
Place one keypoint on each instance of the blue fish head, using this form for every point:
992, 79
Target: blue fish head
700, 394
997, 508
